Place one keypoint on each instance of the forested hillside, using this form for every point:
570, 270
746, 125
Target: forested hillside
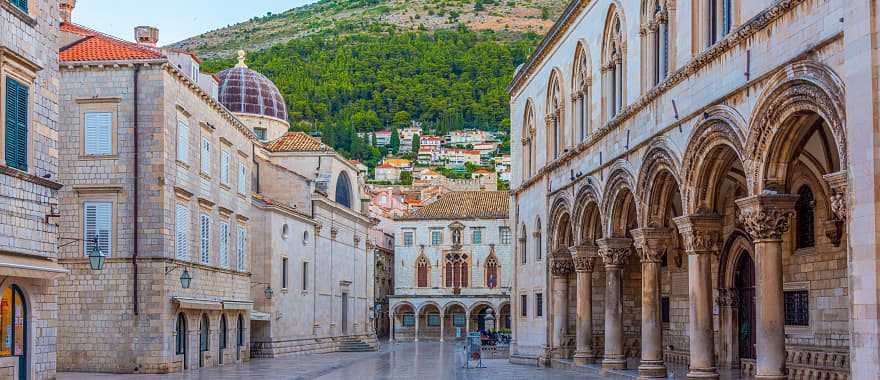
343, 83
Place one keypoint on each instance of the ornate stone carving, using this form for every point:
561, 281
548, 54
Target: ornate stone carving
700, 233
701, 241
561, 264
728, 297
333, 232
615, 256
651, 243
584, 263
834, 231
766, 216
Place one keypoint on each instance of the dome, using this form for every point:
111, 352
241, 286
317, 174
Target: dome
245, 91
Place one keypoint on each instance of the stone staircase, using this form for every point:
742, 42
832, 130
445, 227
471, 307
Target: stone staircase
353, 344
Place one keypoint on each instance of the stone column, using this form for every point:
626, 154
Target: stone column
467, 322
614, 252
766, 218
418, 322
442, 326
561, 267
701, 235
651, 243
584, 259
391, 327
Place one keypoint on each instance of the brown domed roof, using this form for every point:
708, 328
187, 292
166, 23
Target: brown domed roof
243, 90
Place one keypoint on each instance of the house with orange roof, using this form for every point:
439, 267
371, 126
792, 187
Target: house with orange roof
387, 172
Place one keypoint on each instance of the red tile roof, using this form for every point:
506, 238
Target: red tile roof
297, 142
465, 205
96, 46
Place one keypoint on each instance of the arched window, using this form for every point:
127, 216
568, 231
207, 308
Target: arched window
805, 209
612, 66
524, 245
457, 273
239, 337
581, 91
719, 20
14, 326
224, 331
528, 139
343, 190
422, 266
538, 241
181, 334
492, 272
553, 118
657, 20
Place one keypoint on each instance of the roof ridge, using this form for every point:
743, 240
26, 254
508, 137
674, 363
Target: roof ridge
106, 37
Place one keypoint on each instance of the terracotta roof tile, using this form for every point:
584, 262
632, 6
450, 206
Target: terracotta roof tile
96, 46
297, 142
465, 205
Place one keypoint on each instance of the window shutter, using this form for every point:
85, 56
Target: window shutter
206, 155
98, 132
242, 178
242, 243
224, 167
182, 140
224, 244
204, 228
98, 222
16, 124
182, 226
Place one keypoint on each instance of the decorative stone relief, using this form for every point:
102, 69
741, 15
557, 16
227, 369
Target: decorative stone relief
584, 263
767, 224
728, 297
561, 264
700, 233
333, 232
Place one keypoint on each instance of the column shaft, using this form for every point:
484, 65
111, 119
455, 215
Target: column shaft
702, 340
770, 310
583, 339
391, 327
442, 326
418, 322
652, 327
560, 310
614, 357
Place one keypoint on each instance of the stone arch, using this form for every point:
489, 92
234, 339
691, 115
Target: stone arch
399, 305
804, 87
470, 309
528, 140
716, 140
738, 242
560, 229
613, 61
451, 304
581, 85
555, 115
426, 304
587, 213
659, 164
619, 196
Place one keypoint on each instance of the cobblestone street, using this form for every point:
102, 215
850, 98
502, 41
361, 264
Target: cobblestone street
423, 360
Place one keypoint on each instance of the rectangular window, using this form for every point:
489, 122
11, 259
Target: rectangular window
504, 235
407, 238
797, 308
205, 237
224, 167
16, 123
524, 305
433, 320
97, 225
283, 273
223, 244
98, 133
182, 225
182, 140
242, 178
241, 251
260, 133
305, 284
409, 320
458, 320
477, 236
206, 155
664, 309
20, 4
436, 237
539, 305
538, 248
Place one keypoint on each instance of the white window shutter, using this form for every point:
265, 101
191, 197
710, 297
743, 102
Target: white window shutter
242, 178
182, 228
205, 234
182, 141
98, 131
98, 222
224, 167
242, 244
224, 244
206, 156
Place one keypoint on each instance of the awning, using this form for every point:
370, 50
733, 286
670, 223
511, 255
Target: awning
30, 266
259, 316
237, 305
197, 304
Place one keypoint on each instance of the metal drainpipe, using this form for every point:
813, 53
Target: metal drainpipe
134, 255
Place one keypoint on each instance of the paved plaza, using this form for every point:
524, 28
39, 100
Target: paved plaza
422, 360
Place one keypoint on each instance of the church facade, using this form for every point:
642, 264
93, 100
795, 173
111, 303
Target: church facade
693, 185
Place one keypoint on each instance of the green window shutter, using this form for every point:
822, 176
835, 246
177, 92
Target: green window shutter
16, 124
20, 4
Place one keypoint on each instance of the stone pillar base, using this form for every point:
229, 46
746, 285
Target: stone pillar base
583, 357
652, 369
614, 363
703, 373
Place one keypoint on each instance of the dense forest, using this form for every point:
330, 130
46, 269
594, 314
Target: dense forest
343, 83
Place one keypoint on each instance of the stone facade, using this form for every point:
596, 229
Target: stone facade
705, 161
29, 203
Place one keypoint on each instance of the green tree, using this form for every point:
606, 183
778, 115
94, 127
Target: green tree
401, 119
395, 140
416, 143
406, 178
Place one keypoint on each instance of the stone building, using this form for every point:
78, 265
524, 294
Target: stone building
685, 180
382, 244
195, 215
28, 189
452, 267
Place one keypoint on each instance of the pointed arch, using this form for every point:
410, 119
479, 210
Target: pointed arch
554, 118
423, 271
587, 214
655, 31
614, 61
802, 89
560, 225
343, 193
581, 88
658, 180
491, 266
528, 140
620, 204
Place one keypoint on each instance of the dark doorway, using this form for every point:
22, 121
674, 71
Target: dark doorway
14, 328
344, 313
224, 330
745, 287
204, 336
239, 337
181, 339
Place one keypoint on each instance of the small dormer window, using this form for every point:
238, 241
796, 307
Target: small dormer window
195, 71
261, 133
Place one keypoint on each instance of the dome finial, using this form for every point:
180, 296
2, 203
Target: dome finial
241, 59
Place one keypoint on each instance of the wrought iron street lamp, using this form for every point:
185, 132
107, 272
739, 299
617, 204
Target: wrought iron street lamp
185, 277
96, 257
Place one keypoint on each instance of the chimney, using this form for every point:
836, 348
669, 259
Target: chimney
66, 7
146, 35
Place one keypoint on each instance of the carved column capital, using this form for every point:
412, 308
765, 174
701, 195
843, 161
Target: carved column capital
700, 233
584, 257
652, 243
838, 184
728, 297
766, 216
615, 251
561, 264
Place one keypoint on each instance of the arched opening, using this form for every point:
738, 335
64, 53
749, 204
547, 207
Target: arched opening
239, 337
224, 334
455, 320
719, 20
483, 318
180, 339
524, 245
528, 141
555, 134
744, 283
457, 270
805, 210
14, 319
613, 64
491, 272
204, 338
538, 245
504, 318
581, 94
429, 322
423, 267
343, 190
655, 41
404, 322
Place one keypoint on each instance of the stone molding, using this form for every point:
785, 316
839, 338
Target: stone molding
700, 233
728, 297
651, 243
615, 251
766, 216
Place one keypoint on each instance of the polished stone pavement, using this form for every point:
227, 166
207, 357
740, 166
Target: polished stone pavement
420, 360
